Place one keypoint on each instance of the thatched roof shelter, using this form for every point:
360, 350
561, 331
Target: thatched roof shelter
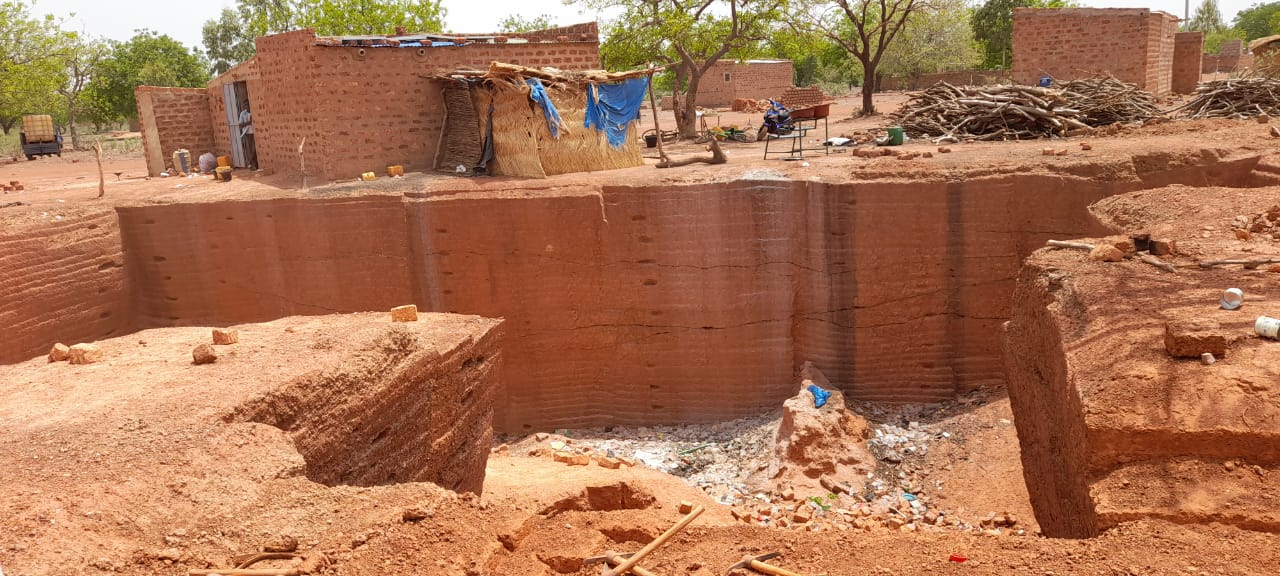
522, 143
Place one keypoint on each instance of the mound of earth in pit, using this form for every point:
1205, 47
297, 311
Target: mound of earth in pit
115, 463
1114, 428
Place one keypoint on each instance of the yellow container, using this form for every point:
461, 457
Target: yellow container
38, 128
224, 161
368, 176
222, 174
393, 171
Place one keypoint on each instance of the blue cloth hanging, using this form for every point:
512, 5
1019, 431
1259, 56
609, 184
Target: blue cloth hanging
538, 94
611, 107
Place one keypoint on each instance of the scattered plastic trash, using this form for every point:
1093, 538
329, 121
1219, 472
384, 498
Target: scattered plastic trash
1232, 298
1207, 358
1267, 327
164, 174
819, 395
909, 497
61, 200
838, 141
58, 218
958, 558
558, 445
804, 164
460, 169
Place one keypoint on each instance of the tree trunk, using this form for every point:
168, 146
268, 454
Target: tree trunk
868, 87
689, 117
7, 124
71, 126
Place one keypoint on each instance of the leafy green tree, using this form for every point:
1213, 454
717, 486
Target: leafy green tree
1213, 40
516, 23
1257, 21
227, 41
81, 61
690, 35
935, 39
30, 48
1207, 19
338, 17
863, 28
992, 25
146, 59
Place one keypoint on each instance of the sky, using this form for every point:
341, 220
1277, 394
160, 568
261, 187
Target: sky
183, 19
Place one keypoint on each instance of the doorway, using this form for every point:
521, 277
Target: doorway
235, 96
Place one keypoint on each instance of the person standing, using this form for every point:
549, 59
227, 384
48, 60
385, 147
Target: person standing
246, 137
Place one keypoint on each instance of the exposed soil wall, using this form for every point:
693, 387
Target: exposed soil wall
641, 305
635, 305
61, 282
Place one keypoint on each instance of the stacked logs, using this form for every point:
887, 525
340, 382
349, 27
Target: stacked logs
1008, 112
1235, 98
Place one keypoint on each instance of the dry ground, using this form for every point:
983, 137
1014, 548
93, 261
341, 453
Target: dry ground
502, 532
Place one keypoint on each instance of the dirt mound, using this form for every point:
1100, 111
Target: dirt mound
818, 436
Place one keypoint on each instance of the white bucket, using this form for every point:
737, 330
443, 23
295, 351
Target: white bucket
1267, 327
1232, 298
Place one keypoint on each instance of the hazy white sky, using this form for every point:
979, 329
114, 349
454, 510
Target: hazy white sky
182, 19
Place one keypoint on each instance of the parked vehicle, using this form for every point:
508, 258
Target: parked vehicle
777, 121
39, 137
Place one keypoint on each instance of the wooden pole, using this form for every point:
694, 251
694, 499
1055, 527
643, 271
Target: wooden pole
302, 161
650, 547
653, 107
102, 181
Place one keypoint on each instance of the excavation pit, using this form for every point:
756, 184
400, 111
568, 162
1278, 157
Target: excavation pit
663, 302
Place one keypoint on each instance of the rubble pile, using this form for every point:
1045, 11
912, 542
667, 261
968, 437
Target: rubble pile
1265, 224
749, 105
813, 467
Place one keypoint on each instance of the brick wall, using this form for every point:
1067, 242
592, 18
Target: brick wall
727, 80
362, 109
1161, 29
173, 119
1188, 48
1134, 45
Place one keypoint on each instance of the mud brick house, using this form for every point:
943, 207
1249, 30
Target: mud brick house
360, 103
754, 79
1135, 45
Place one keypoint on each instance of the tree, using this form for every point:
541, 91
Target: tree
1207, 19
936, 39
29, 51
516, 23
992, 25
337, 17
865, 29
1257, 21
227, 41
690, 35
80, 62
145, 59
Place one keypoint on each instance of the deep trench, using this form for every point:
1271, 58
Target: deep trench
634, 305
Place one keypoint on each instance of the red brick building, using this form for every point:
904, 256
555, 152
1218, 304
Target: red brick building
1135, 45
360, 103
754, 79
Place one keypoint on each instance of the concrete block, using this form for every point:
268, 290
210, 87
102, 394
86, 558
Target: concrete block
59, 352
1192, 338
204, 354
85, 354
408, 313
225, 336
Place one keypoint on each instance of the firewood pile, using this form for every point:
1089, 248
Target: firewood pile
1105, 100
1235, 98
1010, 112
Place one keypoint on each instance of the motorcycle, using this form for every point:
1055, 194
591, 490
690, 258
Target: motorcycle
777, 121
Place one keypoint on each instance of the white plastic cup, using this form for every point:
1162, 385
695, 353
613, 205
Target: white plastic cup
1232, 298
1267, 327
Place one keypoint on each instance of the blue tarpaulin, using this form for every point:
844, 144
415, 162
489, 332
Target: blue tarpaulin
538, 93
611, 107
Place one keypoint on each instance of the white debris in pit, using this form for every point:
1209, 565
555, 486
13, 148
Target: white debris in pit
720, 458
894, 444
